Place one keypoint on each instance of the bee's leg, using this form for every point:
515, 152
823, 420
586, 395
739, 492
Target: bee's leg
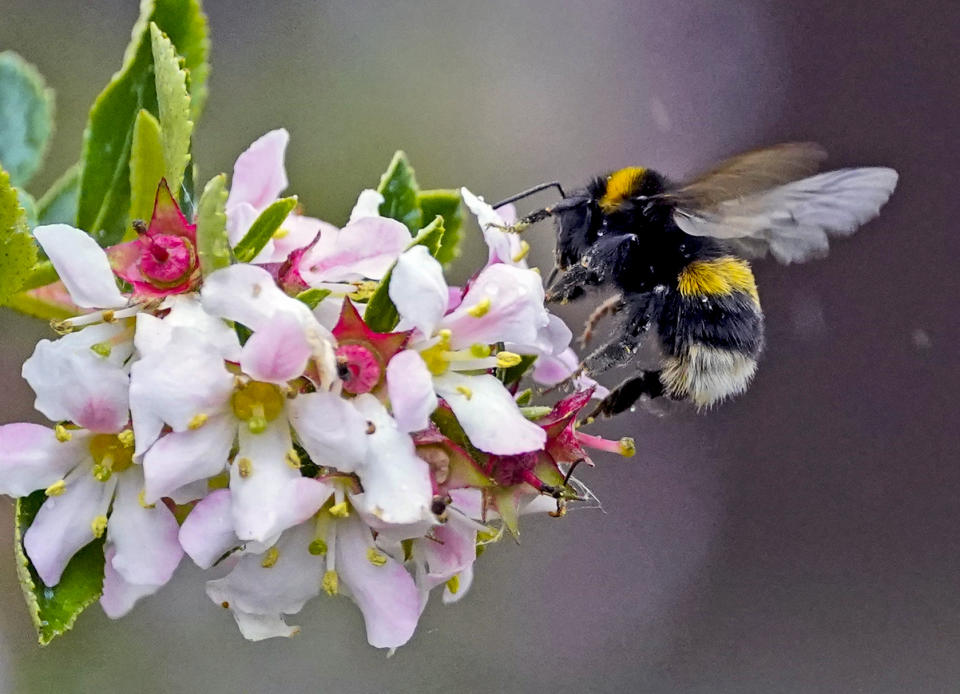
605, 357
627, 393
610, 306
571, 285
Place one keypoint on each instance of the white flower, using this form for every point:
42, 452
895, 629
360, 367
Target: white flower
504, 246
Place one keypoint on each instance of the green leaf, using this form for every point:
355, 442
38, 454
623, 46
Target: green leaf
173, 102
18, 252
104, 198
29, 206
399, 189
263, 229
381, 315
146, 166
55, 609
445, 203
59, 204
213, 246
313, 297
26, 117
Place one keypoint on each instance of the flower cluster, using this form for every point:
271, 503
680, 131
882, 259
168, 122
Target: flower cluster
330, 415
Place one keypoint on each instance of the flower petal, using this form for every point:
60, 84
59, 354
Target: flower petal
145, 539
410, 386
504, 246
81, 265
247, 294
207, 533
367, 205
269, 495
179, 458
278, 352
185, 311
258, 174
488, 414
453, 549
32, 458
63, 524
365, 248
418, 289
386, 594
119, 596
297, 231
331, 430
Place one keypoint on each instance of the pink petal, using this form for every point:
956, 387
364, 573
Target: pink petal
258, 174
410, 386
367, 205
119, 596
179, 458
278, 352
32, 458
240, 218
365, 248
82, 266
419, 290
453, 550
207, 533
386, 595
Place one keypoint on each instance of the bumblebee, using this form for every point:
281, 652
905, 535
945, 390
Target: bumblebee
677, 255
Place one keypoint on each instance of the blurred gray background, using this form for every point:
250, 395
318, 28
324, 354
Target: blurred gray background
803, 538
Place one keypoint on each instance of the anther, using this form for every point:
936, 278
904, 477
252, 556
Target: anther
340, 510
102, 349
376, 558
330, 583
197, 421
453, 584
125, 438
293, 459
62, 433
56, 489
522, 253
318, 547
245, 466
465, 392
270, 558
142, 499
480, 309
98, 526
507, 359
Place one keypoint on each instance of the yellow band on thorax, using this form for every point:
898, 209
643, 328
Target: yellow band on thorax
621, 185
717, 277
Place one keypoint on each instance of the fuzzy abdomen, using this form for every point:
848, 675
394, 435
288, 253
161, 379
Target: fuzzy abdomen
712, 331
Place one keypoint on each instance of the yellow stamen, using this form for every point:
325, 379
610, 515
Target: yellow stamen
480, 309
318, 547
507, 359
522, 253
453, 584
330, 583
479, 351
270, 558
436, 357
62, 434
340, 510
108, 317
245, 466
293, 459
280, 233
627, 447
376, 558
102, 349
142, 498
197, 421
465, 392
98, 526
56, 489
125, 438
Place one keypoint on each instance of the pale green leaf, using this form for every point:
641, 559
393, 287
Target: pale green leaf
399, 189
59, 204
263, 229
445, 203
104, 198
18, 252
213, 246
146, 166
313, 296
55, 609
26, 117
173, 102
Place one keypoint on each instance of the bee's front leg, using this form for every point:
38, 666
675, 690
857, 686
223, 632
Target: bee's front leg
571, 285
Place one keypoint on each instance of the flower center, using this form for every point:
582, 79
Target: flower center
111, 453
359, 366
257, 403
167, 260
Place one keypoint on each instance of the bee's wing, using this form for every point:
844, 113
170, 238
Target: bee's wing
792, 221
748, 173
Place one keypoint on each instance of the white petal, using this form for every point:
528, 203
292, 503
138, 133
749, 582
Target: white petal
278, 352
331, 430
207, 533
396, 482
505, 247
489, 415
257, 627
82, 266
145, 539
365, 248
63, 524
185, 311
272, 496
418, 289
465, 580
410, 386
453, 549
297, 231
119, 596
240, 218
514, 311
368, 205
247, 294
179, 458
258, 174
32, 458
386, 594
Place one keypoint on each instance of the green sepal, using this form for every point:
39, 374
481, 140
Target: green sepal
55, 609
263, 229
381, 315
146, 167
173, 103
29, 206
18, 252
26, 117
506, 501
445, 203
313, 297
59, 204
104, 198
399, 189
213, 246
513, 374
449, 426
535, 412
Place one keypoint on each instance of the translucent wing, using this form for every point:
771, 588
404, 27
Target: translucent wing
748, 173
793, 221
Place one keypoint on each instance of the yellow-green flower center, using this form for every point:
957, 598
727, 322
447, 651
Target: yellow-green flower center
111, 453
257, 403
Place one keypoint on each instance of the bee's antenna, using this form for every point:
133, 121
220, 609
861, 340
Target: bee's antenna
530, 191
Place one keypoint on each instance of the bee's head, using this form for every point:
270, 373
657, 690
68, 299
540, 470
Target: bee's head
577, 221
